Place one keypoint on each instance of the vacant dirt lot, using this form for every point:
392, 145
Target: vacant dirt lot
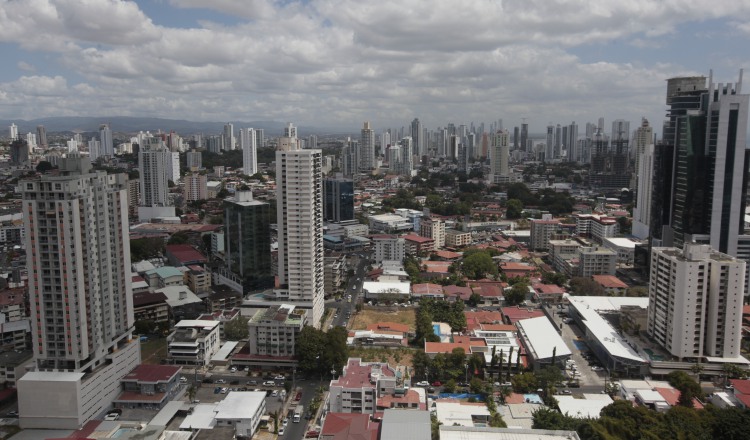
369, 316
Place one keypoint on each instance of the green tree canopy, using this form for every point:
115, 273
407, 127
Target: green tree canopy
237, 329
513, 209
479, 265
516, 294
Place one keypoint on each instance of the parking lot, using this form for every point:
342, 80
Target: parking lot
573, 338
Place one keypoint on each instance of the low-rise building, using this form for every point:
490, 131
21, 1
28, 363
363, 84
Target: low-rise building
541, 232
164, 276
223, 317
612, 285
418, 245
242, 410
150, 306
457, 239
624, 247
433, 228
198, 279
544, 345
360, 384
390, 223
13, 365
596, 260
193, 342
598, 227
346, 426
273, 333
388, 247
453, 413
151, 386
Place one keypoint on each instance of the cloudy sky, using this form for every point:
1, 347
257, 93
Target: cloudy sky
336, 63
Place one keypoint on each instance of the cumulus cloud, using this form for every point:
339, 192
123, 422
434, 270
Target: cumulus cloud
339, 62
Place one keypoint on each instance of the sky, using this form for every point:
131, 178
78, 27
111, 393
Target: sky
338, 63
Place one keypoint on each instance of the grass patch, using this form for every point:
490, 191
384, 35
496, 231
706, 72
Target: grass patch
362, 319
393, 356
153, 351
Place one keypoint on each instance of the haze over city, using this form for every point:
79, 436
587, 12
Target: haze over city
336, 63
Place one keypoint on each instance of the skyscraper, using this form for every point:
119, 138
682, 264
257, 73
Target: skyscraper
571, 143
644, 135
338, 199
525, 145
418, 138
549, 152
249, 146
41, 134
80, 294
247, 241
260, 138
13, 131
499, 154
194, 160
299, 208
367, 148
407, 157
154, 165
106, 147
228, 137
695, 302
642, 208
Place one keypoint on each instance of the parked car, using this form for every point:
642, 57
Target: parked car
275, 393
437, 383
221, 381
217, 390
279, 377
269, 383
224, 390
423, 383
111, 417
233, 370
251, 382
298, 397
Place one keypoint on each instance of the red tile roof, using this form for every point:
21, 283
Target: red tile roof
515, 314
410, 398
548, 289
448, 255
417, 238
340, 426
152, 373
389, 326
462, 292
437, 266
426, 288
146, 298
184, 253
741, 386
475, 319
357, 375
609, 282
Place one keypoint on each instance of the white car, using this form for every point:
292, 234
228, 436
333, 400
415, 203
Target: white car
111, 417
269, 383
423, 383
233, 369
281, 431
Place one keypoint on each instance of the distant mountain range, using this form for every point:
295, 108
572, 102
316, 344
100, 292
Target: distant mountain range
128, 124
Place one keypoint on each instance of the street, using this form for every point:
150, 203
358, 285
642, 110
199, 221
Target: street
344, 308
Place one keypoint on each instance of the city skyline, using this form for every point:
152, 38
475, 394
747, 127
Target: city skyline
336, 64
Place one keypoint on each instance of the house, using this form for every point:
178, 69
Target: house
427, 290
184, 255
347, 426
548, 293
612, 285
511, 315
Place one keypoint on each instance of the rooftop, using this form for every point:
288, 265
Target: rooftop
152, 373
542, 337
401, 424
340, 426
185, 253
358, 374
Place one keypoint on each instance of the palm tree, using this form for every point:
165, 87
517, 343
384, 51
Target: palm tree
697, 369
191, 391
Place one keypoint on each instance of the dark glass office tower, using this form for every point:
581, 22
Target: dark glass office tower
247, 240
338, 199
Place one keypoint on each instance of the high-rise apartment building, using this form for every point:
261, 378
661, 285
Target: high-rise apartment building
247, 241
13, 131
499, 155
228, 136
549, 151
106, 146
695, 301
196, 187
703, 198
406, 159
260, 138
367, 148
155, 165
299, 208
418, 139
194, 160
249, 147
571, 143
338, 199
80, 294
41, 134
525, 137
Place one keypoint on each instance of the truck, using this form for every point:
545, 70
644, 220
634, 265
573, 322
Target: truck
298, 413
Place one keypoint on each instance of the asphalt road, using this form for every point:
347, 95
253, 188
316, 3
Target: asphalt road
354, 288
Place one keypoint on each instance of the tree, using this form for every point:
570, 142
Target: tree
144, 326
450, 386
474, 299
583, 286
476, 385
191, 392
554, 278
687, 387
516, 294
337, 352
309, 347
423, 327
496, 421
178, 238
145, 248
513, 209
525, 382
44, 166
237, 329
420, 361
478, 265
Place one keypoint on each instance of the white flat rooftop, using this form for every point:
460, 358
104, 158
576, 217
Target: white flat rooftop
52, 376
543, 338
476, 433
240, 405
589, 308
203, 417
403, 288
590, 407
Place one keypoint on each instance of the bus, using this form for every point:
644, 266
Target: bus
298, 413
